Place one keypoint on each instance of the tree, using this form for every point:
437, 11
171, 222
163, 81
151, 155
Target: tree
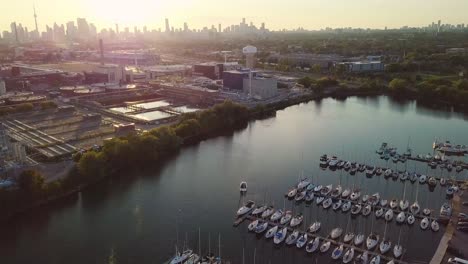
92, 165
31, 181
305, 81
188, 128
316, 68
462, 84
398, 85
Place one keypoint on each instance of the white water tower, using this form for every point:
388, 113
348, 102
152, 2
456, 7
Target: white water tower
249, 52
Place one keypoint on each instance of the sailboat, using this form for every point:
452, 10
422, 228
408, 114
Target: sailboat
349, 235
346, 206
268, 212
415, 208
243, 187
349, 255
181, 257
337, 205
411, 219
261, 227
398, 249
314, 227
375, 260
292, 238
280, 235
253, 225
389, 215
301, 241
372, 239
286, 218
379, 212
259, 210
297, 220
362, 258
424, 223
271, 232
385, 245
404, 203
246, 208
325, 246
313, 245
336, 233
434, 225
337, 252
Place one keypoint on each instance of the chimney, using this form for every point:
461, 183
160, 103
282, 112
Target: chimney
101, 50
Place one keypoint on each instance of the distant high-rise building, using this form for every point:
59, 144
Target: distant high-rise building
167, 26
117, 28
263, 26
71, 29
219, 28
83, 27
186, 29
14, 30
35, 18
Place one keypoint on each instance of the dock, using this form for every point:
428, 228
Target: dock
357, 250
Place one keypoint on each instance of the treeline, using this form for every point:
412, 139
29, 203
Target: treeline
26, 107
122, 155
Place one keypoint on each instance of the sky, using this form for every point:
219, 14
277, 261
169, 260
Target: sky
277, 14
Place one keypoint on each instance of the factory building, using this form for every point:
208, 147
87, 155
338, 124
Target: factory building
261, 88
214, 70
107, 73
235, 79
131, 58
363, 66
154, 72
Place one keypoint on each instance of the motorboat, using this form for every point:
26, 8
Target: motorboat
426, 211
346, 206
443, 181
246, 208
327, 203
375, 260
243, 187
395, 175
450, 191
379, 212
337, 191
385, 246
433, 164
411, 219
348, 256
446, 210
404, 204
424, 223
297, 220
365, 198
389, 215
268, 212
415, 208
383, 202
435, 226
362, 168
326, 190
397, 251
370, 170
346, 193
347, 166
277, 215
300, 196
303, 184
280, 235
259, 210
378, 171
340, 164
310, 187
432, 181
301, 241
271, 232
337, 205
355, 195
362, 258
336, 233
356, 209
401, 217
374, 199
388, 173
292, 193
325, 246
366, 210
292, 238
193, 259
359, 239
337, 252
253, 225
286, 218
404, 176
261, 227
319, 199
372, 241
318, 188
314, 227
309, 196
181, 257
348, 237
422, 179
313, 245
393, 203
414, 177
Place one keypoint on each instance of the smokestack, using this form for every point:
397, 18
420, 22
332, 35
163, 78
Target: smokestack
101, 50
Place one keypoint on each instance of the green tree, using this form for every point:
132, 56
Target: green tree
398, 85
188, 128
305, 81
92, 165
31, 181
462, 84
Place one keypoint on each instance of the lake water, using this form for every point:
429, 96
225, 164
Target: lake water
140, 219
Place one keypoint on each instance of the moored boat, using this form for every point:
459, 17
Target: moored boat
325, 246
280, 235
246, 208
313, 245
372, 241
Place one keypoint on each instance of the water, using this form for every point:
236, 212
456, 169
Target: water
137, 219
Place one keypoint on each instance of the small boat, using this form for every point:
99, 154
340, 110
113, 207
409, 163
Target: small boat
375, 260
426, 212
414, 177
277, 215
347, 166
355, 195
180, 258
404, 176
337, 205
318, 188
243, 187
459, 168
435, 226
422, 179
446, 210
292, 193
261, 227
449, 167
337, 191
346, 206
292, 238
301, 241
378, 171
362, 168
268, 212
366, 210
297, 220
362, 258
327, 203
374, 199
313, 245
365, 198
385, 246
337, 252
300, 196
393, 203
325, 246
259, 210
372, 241
397, 251
388, 173
383, 202
370, 170
359, 239
433, 164
401, 217
411, 219
303, 184
432, 181
348, 256
415, 208
319, 199
356, 209
253, 225
450, 191
348, 237
404, 204
246, 208
336, 233
326, 190
389, 215
309, 196
346, 193
443, 181
271, 232
286, 218
353, 170
314, 227
280, 235
424, 223
395, 175
379, 212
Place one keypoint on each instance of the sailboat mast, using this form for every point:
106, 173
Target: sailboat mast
219, 246
255, 253
199, 243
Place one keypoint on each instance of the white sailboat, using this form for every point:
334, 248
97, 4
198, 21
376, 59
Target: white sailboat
424, 223
385, 245
348, 256
404, 203
398, 249
271, 232
313, 245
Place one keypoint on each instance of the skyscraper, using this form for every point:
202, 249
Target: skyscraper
83, 27
35, 18
14, 31
168, 29
219, 28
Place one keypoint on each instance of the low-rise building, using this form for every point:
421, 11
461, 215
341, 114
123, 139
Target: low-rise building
235, 79
363, 66
261, 88
214, 70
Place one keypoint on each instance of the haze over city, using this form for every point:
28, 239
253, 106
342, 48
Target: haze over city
309, 14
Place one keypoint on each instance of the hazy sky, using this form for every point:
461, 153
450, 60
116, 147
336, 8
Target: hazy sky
277, 14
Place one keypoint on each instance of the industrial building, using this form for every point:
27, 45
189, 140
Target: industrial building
306, 60
124, 57
154, 72
106, 73
261, 88
363, 66
235, 79
214, 70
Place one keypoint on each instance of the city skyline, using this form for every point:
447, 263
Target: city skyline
311, 15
